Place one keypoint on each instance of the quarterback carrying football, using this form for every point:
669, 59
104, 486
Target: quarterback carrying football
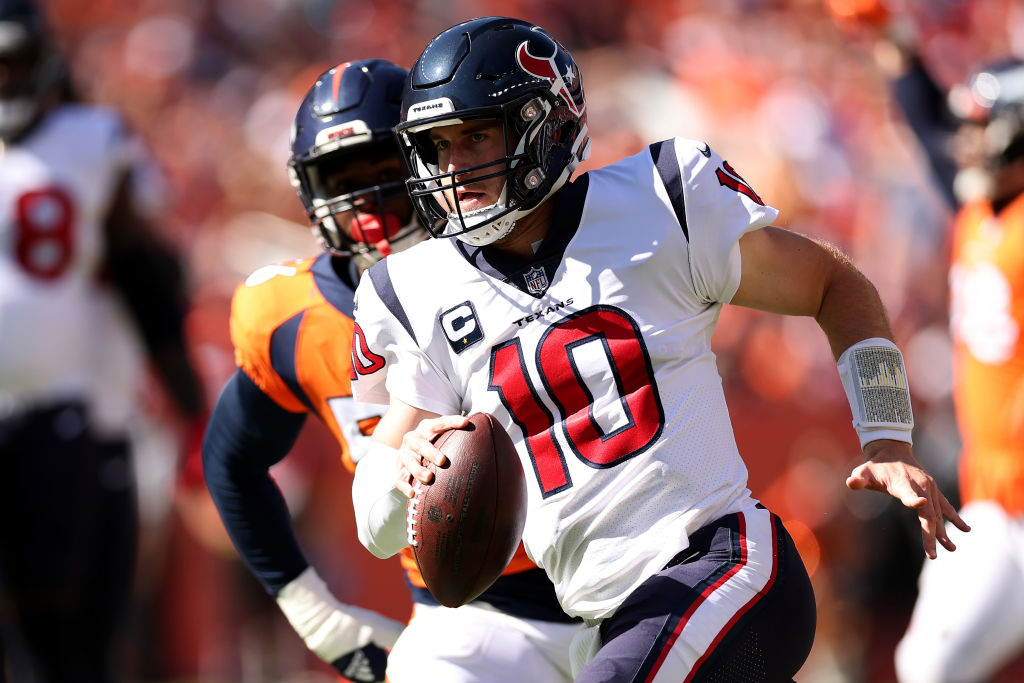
291, 325
580, 315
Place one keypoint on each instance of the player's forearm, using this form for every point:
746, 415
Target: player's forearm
380, 509
247, 433
851, 309
870, 364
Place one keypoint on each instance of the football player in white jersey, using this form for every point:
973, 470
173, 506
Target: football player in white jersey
580, 314
291, 327
75, 255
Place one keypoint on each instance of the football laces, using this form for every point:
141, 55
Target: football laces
411, 513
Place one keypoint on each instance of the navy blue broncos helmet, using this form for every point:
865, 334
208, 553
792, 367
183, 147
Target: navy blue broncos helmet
345, 164
504, 69
33, 68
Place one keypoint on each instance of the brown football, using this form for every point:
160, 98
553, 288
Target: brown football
466, 525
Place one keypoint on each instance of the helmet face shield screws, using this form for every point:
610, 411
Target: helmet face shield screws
516, 75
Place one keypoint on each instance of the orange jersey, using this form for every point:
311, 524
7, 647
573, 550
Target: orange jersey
291, 326
987, 316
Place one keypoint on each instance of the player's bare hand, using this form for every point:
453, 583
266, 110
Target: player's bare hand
418, 451
892, 468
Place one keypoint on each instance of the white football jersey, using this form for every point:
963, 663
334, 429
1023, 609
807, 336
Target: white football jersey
596, 356
56, 188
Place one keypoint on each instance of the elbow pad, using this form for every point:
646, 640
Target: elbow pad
379, 507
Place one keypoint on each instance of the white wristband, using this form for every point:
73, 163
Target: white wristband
875, 380
328, 627
379, 507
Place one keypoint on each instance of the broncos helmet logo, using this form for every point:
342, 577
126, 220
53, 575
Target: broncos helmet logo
545, 67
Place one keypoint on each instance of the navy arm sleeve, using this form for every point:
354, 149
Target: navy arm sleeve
248, 433
149, 275
924, 107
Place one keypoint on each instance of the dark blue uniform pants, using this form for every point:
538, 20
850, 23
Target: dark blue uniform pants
68, 525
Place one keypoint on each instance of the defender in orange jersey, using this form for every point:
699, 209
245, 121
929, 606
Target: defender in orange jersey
291, 325
966, 623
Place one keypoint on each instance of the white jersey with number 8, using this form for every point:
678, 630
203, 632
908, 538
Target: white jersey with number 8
56, 188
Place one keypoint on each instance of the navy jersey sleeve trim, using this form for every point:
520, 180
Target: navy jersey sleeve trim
248, 433
668, 168
335, 290
381, 279
283, 343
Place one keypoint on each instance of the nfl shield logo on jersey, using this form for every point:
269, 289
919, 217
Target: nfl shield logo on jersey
536, 281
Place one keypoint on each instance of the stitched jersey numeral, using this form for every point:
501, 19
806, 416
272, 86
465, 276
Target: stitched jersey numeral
594, 368
364, 361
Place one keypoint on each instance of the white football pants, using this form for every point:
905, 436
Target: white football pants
969, 617
477, 644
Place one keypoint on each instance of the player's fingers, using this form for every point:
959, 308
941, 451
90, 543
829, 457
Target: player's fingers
950, 513
946, 542
940, 520
911, 494
855, 483
431, 427
861, 478
422, 472
432, 454
403, 482
927, 534
423, 451
412, 459
427, 433
864, 476
913, 500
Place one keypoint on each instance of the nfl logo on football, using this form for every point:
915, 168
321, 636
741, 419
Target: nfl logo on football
536, 280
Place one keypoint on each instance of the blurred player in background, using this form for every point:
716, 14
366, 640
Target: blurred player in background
581, 314
966, 623
291, 325
86, 284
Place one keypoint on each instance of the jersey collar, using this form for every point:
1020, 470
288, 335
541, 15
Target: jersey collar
533, 276
337, 290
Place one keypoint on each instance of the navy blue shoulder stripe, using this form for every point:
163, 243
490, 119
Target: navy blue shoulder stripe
667, 163
381, 278
283, 342
337, 292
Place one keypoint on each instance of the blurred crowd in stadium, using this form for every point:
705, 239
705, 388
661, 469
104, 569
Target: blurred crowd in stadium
794, 93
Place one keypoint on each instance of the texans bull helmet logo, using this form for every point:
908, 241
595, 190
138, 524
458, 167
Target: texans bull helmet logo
546, 68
